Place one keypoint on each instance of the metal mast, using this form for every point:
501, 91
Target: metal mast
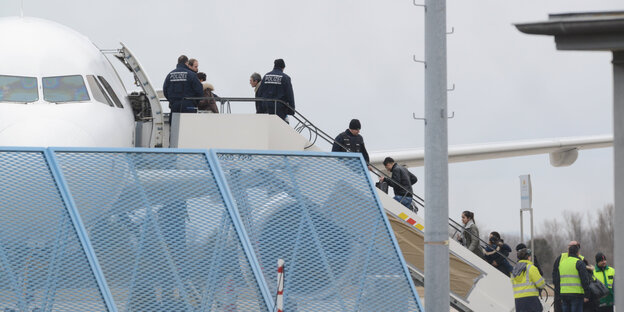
437, 285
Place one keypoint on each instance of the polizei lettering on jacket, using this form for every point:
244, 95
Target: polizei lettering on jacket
177, 76
273, 79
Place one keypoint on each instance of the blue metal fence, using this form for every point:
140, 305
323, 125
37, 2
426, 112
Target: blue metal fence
43, 265
319, 212
172, 230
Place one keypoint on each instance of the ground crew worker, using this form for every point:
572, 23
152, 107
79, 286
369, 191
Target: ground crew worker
527, 282
563, 256
604, 274
573, 281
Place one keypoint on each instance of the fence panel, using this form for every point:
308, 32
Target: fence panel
43, 266
320, 214
161, 231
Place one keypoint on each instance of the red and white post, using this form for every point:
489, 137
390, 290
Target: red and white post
279, 301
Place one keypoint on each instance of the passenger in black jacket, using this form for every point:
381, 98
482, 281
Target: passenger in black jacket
400, 182
352, 140
276, 85
182, 83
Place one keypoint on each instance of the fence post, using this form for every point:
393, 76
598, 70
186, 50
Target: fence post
279, 302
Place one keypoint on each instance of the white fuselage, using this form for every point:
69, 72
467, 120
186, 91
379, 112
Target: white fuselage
56, 56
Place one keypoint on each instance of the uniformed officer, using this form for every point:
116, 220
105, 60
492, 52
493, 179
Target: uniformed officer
352, 140
276, 85
180, 84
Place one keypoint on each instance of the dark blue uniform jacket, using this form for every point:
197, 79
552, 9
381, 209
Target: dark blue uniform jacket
355, 144
276, 85
180, 83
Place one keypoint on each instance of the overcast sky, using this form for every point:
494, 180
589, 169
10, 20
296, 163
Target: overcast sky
353, 59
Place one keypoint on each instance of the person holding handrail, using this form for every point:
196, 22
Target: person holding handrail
470, 233
351, 140
276, 85
401, 181
496, 253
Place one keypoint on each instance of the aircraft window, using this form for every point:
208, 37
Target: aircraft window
18, 89
64, 89
110, 91
98, 91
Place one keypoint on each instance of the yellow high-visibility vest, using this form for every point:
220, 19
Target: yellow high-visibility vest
569, 282
528, 283
565, 256
608, 274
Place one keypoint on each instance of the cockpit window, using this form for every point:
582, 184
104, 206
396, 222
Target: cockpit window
111, 92
98, 91
64, 89
18, 89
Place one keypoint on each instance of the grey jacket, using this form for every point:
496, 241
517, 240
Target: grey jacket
472, 241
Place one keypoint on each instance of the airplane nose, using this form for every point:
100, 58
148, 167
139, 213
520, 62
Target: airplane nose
44, 133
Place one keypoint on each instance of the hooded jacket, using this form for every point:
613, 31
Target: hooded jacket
526, 280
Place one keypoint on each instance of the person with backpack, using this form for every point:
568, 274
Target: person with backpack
401, 181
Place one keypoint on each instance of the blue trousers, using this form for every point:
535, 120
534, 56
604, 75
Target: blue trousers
572, 303
405, 201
